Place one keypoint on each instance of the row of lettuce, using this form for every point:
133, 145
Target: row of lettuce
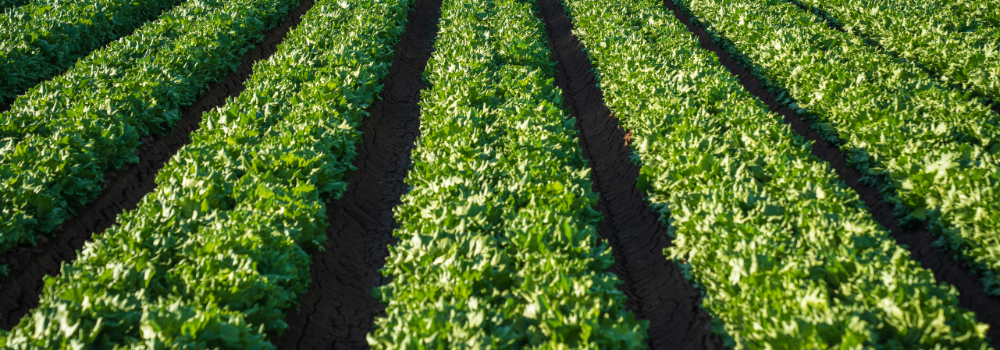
958, 40
933, 150
214, 257
498, 246
43, 38
59, 138
787, 256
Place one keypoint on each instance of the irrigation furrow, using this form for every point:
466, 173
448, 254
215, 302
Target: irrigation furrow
918, 240
124, 188
338, 309
655, 286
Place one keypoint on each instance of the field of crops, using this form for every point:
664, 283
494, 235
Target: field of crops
500, 174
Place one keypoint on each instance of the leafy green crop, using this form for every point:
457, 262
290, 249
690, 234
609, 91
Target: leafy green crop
965, 51
788, 257
214, 257
498, 244
45, 37
932, 151
58, 140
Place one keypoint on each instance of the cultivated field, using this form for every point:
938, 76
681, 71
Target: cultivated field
487, 174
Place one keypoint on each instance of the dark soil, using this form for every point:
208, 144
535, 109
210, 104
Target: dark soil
918, 240
338, 310
124, 188
655, 287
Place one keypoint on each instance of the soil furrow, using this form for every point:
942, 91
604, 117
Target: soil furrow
918, 240
124, 188
655, 287
338, 309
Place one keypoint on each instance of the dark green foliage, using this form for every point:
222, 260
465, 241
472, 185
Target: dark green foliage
7, 4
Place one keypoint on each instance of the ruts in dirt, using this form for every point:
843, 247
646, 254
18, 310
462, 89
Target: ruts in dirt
655, 287
124, 188
918, 240
338, 310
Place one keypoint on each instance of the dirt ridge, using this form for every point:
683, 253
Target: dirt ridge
338, 310
655, 286
919, 240
124, 188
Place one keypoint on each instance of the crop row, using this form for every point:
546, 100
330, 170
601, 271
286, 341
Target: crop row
214, 257
59, 138
964, 50
45, 37
497, 238
787, 256
933, 151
